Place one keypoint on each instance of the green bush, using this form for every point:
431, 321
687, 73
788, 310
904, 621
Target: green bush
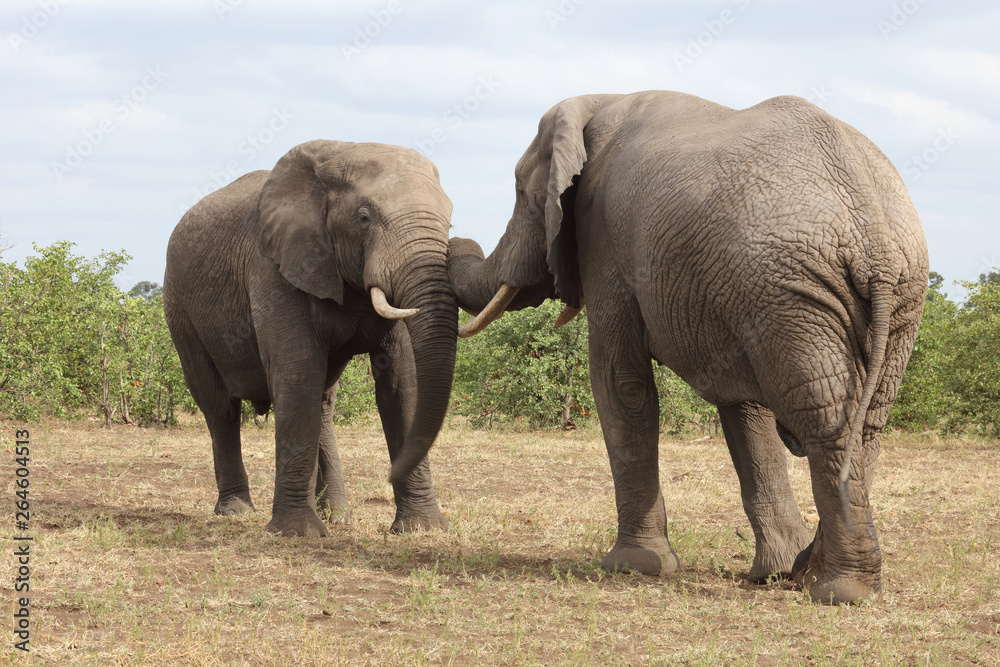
71, 340
926, 393
47, 338
974, 376
356, 392
521, 367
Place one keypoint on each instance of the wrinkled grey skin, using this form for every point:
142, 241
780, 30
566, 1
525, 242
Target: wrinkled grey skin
266, 295
771, 257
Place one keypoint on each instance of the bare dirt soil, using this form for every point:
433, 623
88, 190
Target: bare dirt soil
130, 566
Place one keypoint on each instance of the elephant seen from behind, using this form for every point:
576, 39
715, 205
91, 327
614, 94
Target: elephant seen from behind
771, 257
276, 281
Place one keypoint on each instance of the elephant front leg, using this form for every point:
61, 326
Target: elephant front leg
297, 424
396, 396
625, 393
331, 493
759, 457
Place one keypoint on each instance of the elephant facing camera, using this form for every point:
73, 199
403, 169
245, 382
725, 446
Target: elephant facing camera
276, 281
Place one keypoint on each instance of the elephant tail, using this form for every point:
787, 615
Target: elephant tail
881, 298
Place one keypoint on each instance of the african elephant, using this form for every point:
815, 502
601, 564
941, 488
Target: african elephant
276, 281
771, 257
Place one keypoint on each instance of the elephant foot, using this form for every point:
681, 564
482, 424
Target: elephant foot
412, 521
654, 558
334, 514
769, 567
776, 552
828, 587
306, 524
238, 503
333, 509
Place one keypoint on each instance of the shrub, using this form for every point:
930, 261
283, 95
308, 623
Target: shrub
974, 376
71, 340
521, 367
926, 393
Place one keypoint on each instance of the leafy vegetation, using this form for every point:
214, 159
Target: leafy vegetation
952, 382
975, 370
925, 394
72, 342
520, 367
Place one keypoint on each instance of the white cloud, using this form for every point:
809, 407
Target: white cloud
226, 78
921, 113
974, 71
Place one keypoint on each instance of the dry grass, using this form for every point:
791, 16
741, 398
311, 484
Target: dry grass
132, 567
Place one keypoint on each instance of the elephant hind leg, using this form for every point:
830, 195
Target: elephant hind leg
815, 391
222, 415
417, 507
331, 492
759, 458
230, 475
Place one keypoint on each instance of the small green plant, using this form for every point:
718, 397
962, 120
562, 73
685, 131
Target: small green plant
426, 586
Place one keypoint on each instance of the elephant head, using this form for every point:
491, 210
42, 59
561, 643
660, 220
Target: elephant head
374, 218
536, 257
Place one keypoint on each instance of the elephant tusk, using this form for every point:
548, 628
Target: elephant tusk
492, 311
567, 315
383, 308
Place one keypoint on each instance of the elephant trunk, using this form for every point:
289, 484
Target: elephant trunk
517, 262
423, 284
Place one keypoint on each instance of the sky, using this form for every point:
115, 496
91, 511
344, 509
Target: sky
117, 116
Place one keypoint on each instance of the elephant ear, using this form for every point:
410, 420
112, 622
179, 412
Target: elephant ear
562, 149
292, 210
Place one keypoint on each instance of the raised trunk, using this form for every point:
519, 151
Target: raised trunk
424, 284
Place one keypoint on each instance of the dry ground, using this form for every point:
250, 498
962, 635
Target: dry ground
131, 566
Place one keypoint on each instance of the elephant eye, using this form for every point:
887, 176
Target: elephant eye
364, 214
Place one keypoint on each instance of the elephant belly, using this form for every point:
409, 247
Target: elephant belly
716, 367
247, 383
237, 358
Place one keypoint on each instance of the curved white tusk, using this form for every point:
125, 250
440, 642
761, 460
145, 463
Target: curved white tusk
567, 315
383, 308
492, 311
